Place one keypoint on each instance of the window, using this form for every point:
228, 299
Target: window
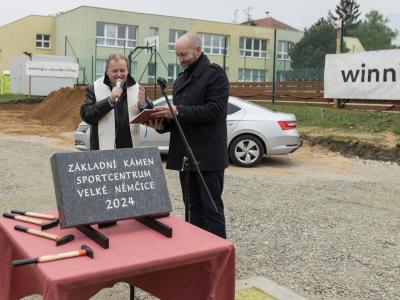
232, 108
173, 71
151, 73
173, 36
134, 68
252, 47
213, 44
283, 50
251, 75
116, 35
43, 41
100, 67
153, 31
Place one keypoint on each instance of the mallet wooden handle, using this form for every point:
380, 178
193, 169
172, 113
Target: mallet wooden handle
24, 219
46, 258
30, 220
34, 214
37, 232
84, 251
44, 224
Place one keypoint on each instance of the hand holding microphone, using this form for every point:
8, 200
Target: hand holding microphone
116, 91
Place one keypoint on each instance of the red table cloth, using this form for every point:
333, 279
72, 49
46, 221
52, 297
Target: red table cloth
193, 264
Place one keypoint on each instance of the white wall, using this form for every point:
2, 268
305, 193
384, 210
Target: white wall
40, 86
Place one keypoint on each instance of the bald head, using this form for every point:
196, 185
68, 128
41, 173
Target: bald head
188, 49
190, 40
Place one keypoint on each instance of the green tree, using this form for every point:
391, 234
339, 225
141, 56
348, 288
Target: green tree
318, 40
374, 32
348, 12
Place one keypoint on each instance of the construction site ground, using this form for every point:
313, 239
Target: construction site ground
323, 225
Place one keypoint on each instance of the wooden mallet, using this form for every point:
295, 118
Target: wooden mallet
43, 224
60, 240
84, 251
33, 214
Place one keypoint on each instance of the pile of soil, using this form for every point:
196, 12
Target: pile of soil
60, 108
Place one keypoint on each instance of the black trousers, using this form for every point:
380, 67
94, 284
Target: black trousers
202, 212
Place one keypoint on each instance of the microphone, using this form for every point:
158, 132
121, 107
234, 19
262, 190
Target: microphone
118, 84
162, 83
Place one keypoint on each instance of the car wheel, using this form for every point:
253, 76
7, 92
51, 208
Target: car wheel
246, 151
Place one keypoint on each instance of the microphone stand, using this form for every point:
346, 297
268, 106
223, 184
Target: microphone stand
162, 83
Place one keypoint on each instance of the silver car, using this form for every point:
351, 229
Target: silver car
253, 131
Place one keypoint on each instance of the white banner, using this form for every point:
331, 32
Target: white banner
364, 75
52, 69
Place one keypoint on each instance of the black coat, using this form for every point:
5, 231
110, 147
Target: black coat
201, 97
92, 111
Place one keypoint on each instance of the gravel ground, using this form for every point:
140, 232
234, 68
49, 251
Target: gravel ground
322, 225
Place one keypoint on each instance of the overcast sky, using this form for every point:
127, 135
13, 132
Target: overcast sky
298, 14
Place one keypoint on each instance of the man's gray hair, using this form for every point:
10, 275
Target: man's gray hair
116, 56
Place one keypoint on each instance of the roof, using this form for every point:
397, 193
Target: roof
270, 23
26, 17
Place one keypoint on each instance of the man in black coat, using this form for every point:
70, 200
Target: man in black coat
110, 103
200, 96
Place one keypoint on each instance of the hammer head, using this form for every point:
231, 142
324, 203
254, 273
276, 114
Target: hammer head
49, 225
65, 239
89, 251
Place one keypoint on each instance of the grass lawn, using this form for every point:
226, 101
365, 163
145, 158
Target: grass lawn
342, 124
15, 98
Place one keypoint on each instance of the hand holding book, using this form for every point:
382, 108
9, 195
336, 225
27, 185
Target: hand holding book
143, 117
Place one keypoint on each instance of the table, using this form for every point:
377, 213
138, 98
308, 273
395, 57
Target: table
193, 264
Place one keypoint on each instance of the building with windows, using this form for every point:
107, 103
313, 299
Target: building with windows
353, 44
32, 34
90, 34
285, 37
244, 51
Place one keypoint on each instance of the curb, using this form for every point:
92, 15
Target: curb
271, 288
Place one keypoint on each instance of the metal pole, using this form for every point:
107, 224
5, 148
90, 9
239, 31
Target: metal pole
273, 70
130, 62
131, 292
244, 67
95, 59
77, 78
224, 59
265, 67
92, 69
155, 72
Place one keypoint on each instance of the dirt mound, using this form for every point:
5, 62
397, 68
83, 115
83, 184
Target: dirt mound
60, 108
356, 148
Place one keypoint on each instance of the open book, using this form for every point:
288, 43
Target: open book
143, 117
